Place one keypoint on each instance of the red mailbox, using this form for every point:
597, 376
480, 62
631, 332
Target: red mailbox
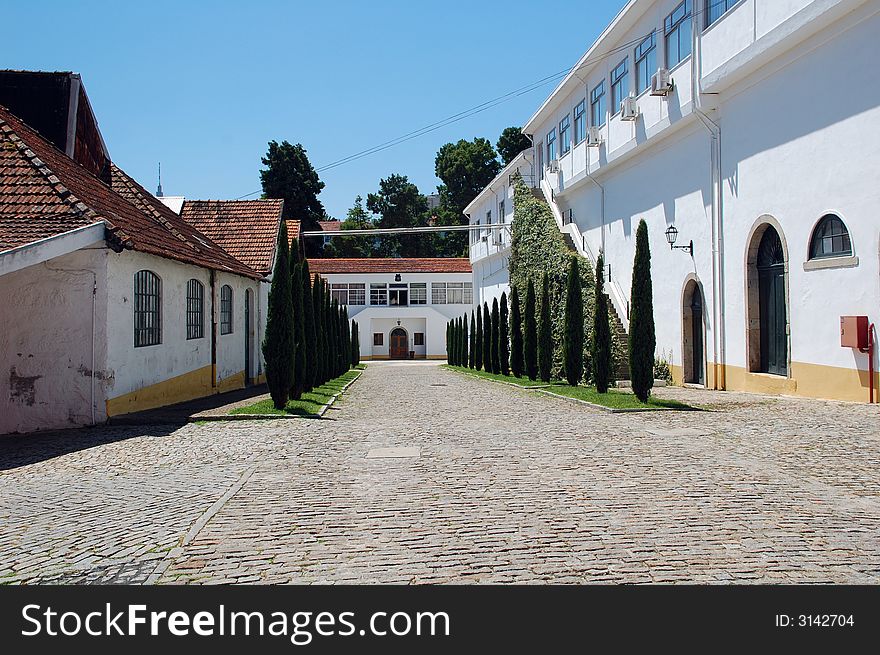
854, 332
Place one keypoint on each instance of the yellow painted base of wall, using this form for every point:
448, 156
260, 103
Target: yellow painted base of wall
195, 384
387, 358
261, 379
807, 380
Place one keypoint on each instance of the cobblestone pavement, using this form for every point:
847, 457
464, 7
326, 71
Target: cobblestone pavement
510, 486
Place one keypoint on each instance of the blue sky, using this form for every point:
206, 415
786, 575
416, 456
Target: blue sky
202, 87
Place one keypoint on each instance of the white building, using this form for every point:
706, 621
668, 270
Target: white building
401, 305
111, 302
490, 246
758, 142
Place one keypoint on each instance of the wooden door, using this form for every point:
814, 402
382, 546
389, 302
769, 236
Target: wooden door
398, 346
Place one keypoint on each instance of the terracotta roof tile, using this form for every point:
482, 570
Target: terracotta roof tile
246, 229
392, 265
330, 226
43, 193
293, 229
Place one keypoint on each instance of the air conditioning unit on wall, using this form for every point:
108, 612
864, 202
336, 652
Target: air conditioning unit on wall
594, 137
629, 109
661, 83
554, 166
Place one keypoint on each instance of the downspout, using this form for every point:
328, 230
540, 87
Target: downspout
714, 129
213, 333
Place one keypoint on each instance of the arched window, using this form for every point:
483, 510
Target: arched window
226, 309
195, 309
830, 239
147, 309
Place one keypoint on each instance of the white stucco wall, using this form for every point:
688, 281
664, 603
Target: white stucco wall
47, 336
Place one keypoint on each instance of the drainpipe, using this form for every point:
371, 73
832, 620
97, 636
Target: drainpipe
714, 129
602, 205
213, 333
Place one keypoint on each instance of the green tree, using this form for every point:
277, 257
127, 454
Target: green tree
299, 335
290, 176
601, 338
472, 337
642, 339
311, 336
545, 336
455, 342
346, 341
530, 336
278, 344
399, 203
465, 351
320, 337
449, 342
511, 142
573, 340
496, 337
465, 168
355, 344
516, 334
503, 337
478, 341
358, 246
487, 339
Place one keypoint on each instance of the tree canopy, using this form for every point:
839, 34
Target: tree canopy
511, 142
399, 203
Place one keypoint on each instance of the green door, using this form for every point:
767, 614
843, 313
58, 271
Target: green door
771, 290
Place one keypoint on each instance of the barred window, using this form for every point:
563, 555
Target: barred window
452, 293
438, 293
195, 310
226, 309
418, 293
378, 294
348, 294
147, 309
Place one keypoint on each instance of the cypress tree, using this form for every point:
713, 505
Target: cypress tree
600, 344
294, 254
311, 337
642, 339
545, 336
465, 350
471, 342
530, 335
341, 343
453, 343
458, 341
487, 339
496, 337
346, 341
573, 339
299, 335
478, 341
503, 336
319, 333
278, 345
449, 342
355, 344
332, 335
516, 335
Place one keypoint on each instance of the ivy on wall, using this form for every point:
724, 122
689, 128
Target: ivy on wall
537, 246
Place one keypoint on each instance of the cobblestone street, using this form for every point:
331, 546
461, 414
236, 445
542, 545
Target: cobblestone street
509, 486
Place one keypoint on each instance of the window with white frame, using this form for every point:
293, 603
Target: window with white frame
646, 62
715, 9
438, 293
378, 294
348, 294
597, 105
452, 293
551, 145
580, 121
677, 31
195, 309
398, 295
226, 309
619, 84
565, 134
147, 309
418, 293
488, 222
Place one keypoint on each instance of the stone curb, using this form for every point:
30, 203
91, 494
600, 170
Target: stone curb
536, 387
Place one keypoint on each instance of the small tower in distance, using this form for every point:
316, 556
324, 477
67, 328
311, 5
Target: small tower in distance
159, 193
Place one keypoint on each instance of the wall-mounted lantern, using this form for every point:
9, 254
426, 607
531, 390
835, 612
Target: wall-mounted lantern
672, 237
397, 278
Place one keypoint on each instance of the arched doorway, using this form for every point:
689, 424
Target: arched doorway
771, 304
398, 344
767, 297
693, 339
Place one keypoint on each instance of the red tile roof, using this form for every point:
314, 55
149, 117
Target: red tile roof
330, 226
392, 265
246, 229
44, 193
293, 229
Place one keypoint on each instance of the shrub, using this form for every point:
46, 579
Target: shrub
642, 339
600, 344
503, 336
516, 336
278, 344
573, 346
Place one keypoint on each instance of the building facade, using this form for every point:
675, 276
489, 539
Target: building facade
711, 117
401, 305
